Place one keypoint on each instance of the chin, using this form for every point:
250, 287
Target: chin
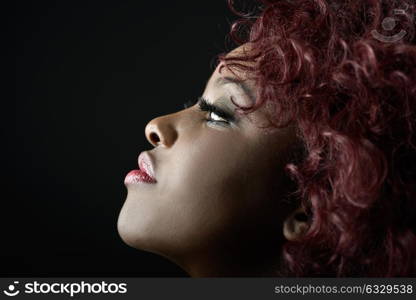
133, 235
124, 232
127, 231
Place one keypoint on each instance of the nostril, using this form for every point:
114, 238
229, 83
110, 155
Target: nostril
154, 137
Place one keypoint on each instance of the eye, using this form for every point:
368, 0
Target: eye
215, 113
216, 118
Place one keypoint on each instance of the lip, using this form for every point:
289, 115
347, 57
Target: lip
138, 176
146, 172
146, 165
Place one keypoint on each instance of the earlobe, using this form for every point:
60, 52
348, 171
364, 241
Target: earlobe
295, 225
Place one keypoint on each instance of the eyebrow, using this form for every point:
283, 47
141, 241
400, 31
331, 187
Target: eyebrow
239, 83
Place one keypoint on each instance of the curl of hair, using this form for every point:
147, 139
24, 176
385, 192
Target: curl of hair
353, 98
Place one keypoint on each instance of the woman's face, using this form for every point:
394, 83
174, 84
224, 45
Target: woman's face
219, 185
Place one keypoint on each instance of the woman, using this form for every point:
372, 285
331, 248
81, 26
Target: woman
298, 159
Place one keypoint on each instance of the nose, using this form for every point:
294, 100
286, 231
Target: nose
161, 131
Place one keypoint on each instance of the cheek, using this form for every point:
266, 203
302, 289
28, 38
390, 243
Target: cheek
222, 184
205, 193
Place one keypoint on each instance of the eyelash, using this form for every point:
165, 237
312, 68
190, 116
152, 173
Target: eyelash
203, 105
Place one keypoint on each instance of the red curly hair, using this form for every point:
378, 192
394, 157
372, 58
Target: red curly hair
334, 69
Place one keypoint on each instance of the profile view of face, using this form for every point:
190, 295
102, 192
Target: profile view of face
217, 207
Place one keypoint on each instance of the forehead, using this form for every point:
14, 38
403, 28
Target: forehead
224, 81
224, 70
233, 81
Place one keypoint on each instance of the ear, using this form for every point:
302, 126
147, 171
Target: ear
296, 224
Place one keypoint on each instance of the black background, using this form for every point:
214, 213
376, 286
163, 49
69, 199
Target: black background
88, 77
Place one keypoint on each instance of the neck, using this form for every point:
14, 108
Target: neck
251, 260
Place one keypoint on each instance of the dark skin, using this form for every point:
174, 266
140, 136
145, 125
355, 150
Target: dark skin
216, 209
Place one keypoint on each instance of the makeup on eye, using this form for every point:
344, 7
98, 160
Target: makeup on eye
204, 105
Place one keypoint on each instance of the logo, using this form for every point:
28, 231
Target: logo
11, 290
69, 288
389, 24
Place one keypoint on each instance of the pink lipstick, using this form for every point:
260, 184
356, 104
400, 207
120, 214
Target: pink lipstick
136, 176
146, 172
